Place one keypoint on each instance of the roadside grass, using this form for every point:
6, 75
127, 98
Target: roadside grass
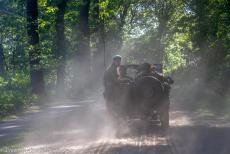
201, 97
11, 145
213, 110
15, 115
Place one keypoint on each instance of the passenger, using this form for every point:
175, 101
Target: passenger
160, 76
144, 70
147, 69
123, 78
156, 74
166, 81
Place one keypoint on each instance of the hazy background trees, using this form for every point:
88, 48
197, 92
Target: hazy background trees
61, 47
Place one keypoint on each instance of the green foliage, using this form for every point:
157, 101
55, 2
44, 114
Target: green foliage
15, 94
176, 33
13, 101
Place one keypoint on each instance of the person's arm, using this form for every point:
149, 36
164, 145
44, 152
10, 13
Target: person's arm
169, 80
158, 76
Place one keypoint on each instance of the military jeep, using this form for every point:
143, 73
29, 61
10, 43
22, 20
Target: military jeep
145, 98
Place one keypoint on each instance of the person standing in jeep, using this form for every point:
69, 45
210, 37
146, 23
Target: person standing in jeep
110, 80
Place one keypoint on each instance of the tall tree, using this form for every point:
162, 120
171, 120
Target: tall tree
60, 45
115, 20
82, 61
98, 37
84, 32
163, 12
121, 22
1, 59
36, 72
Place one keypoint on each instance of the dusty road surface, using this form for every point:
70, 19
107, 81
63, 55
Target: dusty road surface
84, 127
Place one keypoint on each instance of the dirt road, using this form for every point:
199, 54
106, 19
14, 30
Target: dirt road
83, 127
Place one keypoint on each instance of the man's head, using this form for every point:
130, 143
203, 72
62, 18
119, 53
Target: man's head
145, 67
117, 60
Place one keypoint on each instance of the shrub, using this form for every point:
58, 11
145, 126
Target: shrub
14, 95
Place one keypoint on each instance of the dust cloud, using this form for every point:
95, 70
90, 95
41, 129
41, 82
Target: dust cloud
81, 124
76, 122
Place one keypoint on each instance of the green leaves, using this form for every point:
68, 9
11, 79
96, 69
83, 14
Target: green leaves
3, 82
173, 32
42, 3
104, 12
15, 93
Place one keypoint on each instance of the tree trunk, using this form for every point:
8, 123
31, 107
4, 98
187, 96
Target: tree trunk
60, 47
99, 38
82, 61
161, 33
163, 10
36, 72
121, 24
83, 31
2, 70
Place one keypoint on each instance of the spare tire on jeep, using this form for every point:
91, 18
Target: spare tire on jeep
146, 95
148, 88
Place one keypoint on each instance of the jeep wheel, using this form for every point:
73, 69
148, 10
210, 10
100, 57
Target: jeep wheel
148, 88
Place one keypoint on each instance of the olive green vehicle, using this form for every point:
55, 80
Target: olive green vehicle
143, 97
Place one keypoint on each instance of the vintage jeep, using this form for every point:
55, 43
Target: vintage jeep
145, 97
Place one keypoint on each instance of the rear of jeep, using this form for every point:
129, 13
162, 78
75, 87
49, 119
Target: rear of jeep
147, 99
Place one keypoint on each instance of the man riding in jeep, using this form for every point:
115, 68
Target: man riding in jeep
144, 97
110, 81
